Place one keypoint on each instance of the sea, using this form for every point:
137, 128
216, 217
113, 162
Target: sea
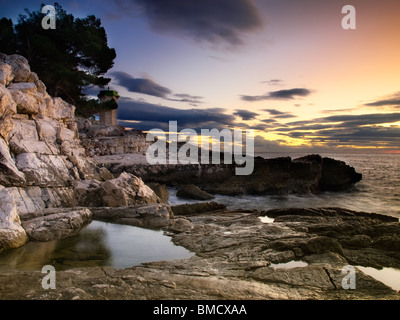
378, 191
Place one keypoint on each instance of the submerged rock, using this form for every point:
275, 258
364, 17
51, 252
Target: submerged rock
190, 191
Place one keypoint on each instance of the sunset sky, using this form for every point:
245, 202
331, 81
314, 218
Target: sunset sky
285, 68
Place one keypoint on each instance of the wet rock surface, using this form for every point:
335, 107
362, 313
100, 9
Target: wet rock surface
236, 257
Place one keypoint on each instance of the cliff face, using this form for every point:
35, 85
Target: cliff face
101, 140
43, 164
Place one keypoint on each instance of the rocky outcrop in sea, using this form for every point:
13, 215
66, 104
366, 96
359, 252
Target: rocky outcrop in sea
309, 174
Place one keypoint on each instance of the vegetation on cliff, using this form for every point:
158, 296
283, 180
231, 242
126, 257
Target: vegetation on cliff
68, 59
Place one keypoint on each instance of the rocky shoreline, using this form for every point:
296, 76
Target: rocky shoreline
57, 174
237, 258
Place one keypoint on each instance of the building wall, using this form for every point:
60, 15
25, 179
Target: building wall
108, 117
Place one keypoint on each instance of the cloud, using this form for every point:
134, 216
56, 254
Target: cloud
245, 114
360, 136
279, 95
274, 112
363, 119
149, 87
290, 94
285, 116
279, 114
212, 21
140, 85
269, 120
392, 100
183, 97
364, 130
273, 82
349, 121
148, 116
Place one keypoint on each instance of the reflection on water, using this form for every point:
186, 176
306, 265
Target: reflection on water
265, 219
388, 276
99, 244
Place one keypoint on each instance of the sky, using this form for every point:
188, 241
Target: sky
284, 68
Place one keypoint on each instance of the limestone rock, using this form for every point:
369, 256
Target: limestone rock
94, 131
25, 87
31, 200
59, 109
41, 87
24, 95
46, 170
57, 224
123, 191
101, 140
65, 134
7, 103
12, 235
24, 139
9, 173
47, 130
6, 75
8, 108
88, 170
19, 65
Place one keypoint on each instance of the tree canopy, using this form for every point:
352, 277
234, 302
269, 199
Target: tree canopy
68, 59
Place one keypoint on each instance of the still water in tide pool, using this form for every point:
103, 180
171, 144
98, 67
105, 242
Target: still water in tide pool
99, 244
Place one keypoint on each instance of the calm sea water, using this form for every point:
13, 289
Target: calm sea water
378, 191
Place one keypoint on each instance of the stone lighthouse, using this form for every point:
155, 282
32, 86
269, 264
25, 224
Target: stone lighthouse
108, 115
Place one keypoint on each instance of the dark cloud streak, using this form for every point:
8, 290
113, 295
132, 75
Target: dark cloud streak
149, 87
149, 115
140, 85
212, 21
245, 114
279, 95
393, 100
